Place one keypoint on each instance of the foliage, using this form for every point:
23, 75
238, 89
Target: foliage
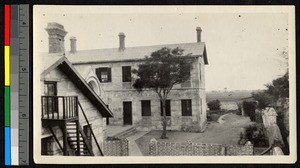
214, 105
264, 99
249, 109
239, 110
160, 72
255, 133
279, 88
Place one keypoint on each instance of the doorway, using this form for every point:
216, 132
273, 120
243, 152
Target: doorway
127, 113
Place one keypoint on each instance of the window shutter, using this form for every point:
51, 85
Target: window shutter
109, 74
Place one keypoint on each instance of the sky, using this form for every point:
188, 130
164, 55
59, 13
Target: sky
244, 47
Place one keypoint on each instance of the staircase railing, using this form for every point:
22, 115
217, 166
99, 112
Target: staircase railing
87, 121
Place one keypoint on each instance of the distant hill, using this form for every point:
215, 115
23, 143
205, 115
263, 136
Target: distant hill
225, 96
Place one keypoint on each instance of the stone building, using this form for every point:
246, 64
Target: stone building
108, 72
71, 112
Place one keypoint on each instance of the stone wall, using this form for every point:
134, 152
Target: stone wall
117, 147
157, 148
65, 87
117, 92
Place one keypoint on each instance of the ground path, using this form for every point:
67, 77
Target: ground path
226, 132
134, 150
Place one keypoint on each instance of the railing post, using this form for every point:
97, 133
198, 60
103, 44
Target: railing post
65, 138
42, 107
57, 106
47, 98
64, 111
87, 121
78, 138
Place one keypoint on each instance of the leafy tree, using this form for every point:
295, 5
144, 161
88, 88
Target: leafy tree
264, 99
214, 105
160, 72
279, 88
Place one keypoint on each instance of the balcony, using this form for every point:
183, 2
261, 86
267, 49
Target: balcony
59, 108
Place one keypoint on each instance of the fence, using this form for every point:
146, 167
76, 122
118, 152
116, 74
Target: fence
116, 147
157, 148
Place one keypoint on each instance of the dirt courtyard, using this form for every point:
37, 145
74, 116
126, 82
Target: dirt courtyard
226, 132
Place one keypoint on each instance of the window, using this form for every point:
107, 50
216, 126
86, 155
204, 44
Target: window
200, 71
126, 71
88, 133
186, 107
168, 108
104, 74
50, 101
187, 83
146, 108
47, 146
50, 88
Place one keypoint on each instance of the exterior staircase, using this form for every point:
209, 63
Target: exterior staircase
126, 133
77, 140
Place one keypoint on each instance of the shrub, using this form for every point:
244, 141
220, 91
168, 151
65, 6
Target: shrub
255, 133
239, 110
214, 105
249, 109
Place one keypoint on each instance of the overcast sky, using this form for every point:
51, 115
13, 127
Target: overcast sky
243, 47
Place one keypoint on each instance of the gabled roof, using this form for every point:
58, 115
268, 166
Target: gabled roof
133, 53
66, 67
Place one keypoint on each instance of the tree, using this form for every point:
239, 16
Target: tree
214, 105
279, 88
160, 72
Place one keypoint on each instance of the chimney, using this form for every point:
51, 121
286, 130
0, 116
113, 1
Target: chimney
122, 41
73, 44
56, 37
199, 30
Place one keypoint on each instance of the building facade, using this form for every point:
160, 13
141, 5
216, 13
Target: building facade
109, 71
72, 113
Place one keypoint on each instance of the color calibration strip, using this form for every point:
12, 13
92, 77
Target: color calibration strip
7, 129
16, 98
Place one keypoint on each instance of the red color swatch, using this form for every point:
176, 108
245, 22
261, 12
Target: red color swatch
7, 25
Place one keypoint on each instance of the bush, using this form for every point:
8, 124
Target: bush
249, 109
214, 105
255, 133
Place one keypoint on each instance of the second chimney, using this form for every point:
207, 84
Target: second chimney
199, 30
122, 41
73, 44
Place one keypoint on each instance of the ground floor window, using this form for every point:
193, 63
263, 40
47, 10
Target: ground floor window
186, 107
88, 133
146, 107
168, 108
47, 146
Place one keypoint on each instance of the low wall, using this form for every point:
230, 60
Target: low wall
116, 147
157, 148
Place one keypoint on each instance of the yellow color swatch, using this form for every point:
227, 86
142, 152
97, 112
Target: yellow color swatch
7, 65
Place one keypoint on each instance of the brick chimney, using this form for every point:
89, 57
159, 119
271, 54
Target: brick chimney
199, 30
73, 44
122, 41
56, 37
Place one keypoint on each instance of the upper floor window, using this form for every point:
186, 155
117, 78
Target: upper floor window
146, 108
104, 74
168, 108
50, 88
126, 73
186, 107
187, 83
